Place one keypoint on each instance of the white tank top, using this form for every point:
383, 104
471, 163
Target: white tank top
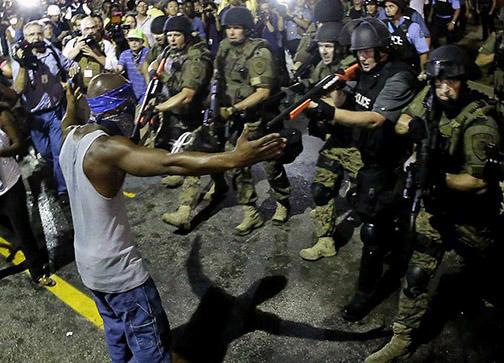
9, 168
106, 255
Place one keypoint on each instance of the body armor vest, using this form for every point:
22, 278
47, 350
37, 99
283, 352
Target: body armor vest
232, 68
466, 208
401, 46
381, 145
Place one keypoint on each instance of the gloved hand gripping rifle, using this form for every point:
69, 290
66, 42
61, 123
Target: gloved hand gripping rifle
214, 132
323, 87
421, 175
148, 114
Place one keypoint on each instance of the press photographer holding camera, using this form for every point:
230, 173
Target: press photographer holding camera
38, 71
93, 53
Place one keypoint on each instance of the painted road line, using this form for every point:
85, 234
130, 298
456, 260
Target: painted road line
76, 299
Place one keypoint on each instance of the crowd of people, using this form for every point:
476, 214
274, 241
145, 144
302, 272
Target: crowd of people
109, 88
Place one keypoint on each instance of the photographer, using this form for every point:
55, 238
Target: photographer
270, 26
74, 28
297, 22
93, 53
212, 26
38, 72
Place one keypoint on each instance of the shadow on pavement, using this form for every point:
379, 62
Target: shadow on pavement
222, 318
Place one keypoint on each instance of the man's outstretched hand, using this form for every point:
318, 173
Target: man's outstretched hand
268, 147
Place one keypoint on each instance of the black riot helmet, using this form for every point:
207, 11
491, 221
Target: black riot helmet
240, 16
365, 33
448, 61
157, 24
179, 23
329, 32
328, 11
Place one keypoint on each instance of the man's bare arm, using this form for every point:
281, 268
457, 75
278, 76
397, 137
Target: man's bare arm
120, 152
464, 182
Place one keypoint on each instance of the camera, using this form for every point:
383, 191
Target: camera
28, 59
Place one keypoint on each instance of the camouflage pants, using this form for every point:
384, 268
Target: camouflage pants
324, 216
192, 187
242, 178
468, 241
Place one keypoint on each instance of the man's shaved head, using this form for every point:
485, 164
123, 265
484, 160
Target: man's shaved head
103, 83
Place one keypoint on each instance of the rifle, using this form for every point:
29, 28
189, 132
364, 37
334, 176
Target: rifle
146, 114
324, 86
204, 139
419, 174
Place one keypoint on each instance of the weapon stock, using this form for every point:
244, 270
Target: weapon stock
324, 86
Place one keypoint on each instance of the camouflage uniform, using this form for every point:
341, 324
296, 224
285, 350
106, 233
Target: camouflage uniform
464, 222
189, 68
243, 68
336, 155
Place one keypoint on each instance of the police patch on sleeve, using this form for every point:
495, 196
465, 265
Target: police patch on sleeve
196, 71
479, 142
259, 66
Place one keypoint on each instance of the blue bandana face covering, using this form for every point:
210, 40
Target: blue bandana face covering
120, 99
110, 100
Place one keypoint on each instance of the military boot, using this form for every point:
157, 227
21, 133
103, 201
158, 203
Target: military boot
395, 350
180, 219
172, 181
252, 219
359, 306
281, 213
323, 248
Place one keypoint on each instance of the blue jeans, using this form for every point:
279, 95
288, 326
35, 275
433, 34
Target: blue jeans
136, 326
46, 136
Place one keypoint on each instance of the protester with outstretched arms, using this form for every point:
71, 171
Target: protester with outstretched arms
95, 161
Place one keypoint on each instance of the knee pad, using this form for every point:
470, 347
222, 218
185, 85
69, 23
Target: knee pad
417, 280
321, 194
369, 235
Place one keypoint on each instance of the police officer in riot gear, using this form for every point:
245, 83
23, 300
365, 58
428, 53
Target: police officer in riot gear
246, 72
408, 43
325, 11
382, 90
336, 155
460, 205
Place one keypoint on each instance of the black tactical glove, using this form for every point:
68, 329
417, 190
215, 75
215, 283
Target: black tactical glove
416, 129
323, 111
